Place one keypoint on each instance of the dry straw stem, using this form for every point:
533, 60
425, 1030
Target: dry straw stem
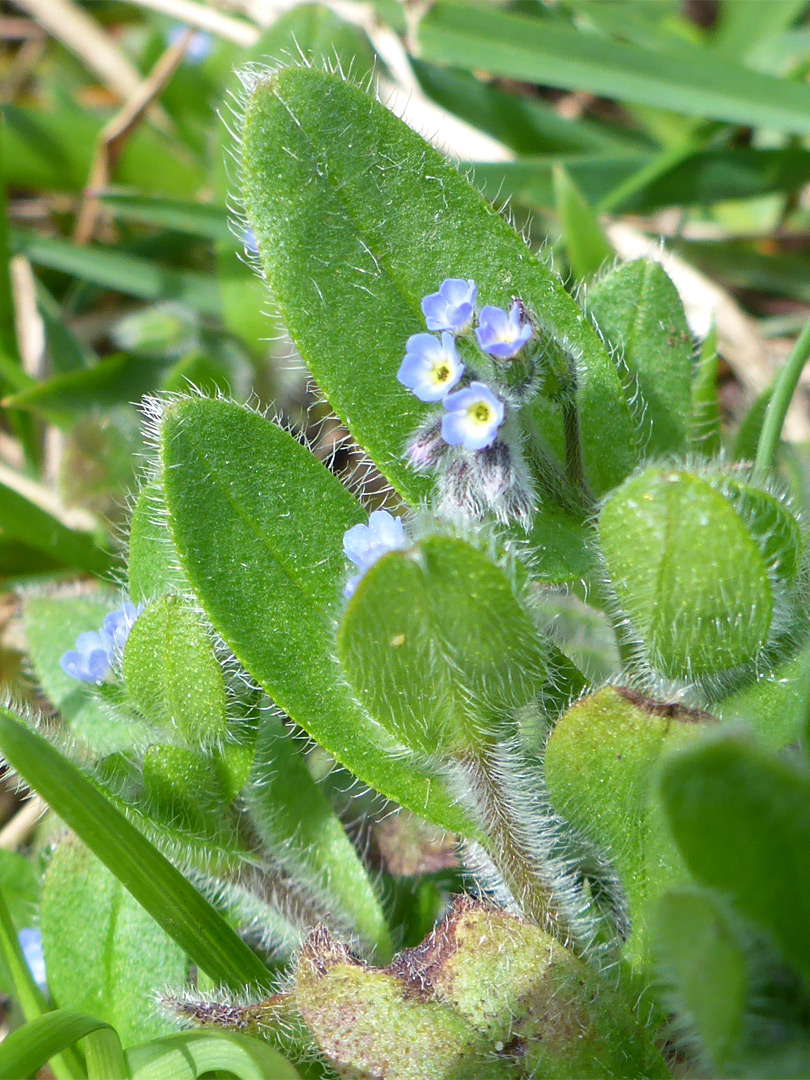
84, 38
16, 831
115, 133
206, 18
28, 324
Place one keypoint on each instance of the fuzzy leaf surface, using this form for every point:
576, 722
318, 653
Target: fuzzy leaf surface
687, 571
172, 675
270, 577
639, 311
438, 645
302, 832
742, 822
104, 954
601, 762
152, 563
357, 220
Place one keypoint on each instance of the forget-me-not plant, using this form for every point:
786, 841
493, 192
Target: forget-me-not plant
92, 659
503, 335
473, 417
365, 544
431, 368
452, 307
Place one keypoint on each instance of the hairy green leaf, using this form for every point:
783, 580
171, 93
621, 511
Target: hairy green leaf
103, 953
704, 964
270, 576
437, 644
355, 231
601, 763
687, 571
172, 675
638, 310
304, 835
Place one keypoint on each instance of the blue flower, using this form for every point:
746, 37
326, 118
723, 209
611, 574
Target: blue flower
199, 47
365, 544
119, 623
431, 368
473, 417
31, 945
502, 335
451, 308
91, 660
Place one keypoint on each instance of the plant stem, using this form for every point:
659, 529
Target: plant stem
786, 383
524, 878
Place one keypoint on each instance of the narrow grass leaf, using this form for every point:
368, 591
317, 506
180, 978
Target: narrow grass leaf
151, 879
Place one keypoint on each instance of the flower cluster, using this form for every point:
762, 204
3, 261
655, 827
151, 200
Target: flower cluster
487, 472
432, 367
365, 544
92, 659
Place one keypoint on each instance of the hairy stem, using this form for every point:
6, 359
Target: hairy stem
786, 383
524, 878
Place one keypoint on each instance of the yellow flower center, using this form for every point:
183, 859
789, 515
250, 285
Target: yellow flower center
481, 413
441, 373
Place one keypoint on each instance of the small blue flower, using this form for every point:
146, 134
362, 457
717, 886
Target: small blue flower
451, 308
431, 368
91, 660
473, 417
502, 335
365, 544
199, 47
31, 945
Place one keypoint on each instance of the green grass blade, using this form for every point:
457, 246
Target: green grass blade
208, 221
131, 275
703, 177
67, 394
105, 1056
171, 900
524, 124
682, 79
66, 1066
26, 522
586, 245
197, 1053
28, 1048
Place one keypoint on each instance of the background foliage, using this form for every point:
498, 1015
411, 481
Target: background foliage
613, 129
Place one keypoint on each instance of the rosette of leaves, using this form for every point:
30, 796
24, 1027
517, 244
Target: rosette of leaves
583, 812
